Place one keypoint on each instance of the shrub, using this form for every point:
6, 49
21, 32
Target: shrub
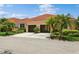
10, 33
53, 36
2, 33
6, 33
66, 32
74, 35
68, 38
69, 35
24, 29
21, 30
36, 30
56, 33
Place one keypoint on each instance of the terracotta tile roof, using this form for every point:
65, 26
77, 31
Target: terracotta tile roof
14, 20
26, 20
35, 20
42, 17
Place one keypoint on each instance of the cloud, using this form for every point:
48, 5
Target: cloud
9, 5
17, 15
10, 15
3, 13
2, 5
47, 9
5, 5
2, 8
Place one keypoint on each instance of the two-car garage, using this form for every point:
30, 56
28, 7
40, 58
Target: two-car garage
43, 28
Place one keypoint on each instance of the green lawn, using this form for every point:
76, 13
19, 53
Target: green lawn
6, 33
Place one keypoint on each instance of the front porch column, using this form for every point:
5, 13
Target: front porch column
26, 28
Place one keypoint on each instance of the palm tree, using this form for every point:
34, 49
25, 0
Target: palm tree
51, 22
59, 22
63, 21
77, 23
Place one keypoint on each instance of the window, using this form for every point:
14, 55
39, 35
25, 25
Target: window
22, 25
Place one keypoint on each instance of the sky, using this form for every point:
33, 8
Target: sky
32, 10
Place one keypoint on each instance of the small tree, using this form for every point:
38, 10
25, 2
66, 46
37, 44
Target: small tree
9, 25
52, 22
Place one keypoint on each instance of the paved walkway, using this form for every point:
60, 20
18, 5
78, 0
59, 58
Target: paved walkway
33, 35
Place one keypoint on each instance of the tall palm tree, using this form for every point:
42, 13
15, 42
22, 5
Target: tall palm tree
77, 23
51, 22
63, 21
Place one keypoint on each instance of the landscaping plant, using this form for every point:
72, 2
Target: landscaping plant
36, 30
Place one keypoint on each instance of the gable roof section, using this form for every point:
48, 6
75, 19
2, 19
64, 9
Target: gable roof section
14, 20
35, 20
42, 17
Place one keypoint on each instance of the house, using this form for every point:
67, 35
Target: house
30, 23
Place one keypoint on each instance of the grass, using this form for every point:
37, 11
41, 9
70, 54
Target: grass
6, 33
11, 32
2, 33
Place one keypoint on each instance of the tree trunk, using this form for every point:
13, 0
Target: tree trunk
60, 36
50, 29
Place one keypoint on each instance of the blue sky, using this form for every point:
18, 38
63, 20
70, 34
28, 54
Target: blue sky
32, 10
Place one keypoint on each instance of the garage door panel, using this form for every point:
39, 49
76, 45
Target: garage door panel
31, 27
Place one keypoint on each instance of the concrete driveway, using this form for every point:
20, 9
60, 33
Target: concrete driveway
23, 45
33, 35
30, 43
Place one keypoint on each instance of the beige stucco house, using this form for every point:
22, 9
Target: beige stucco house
31, 23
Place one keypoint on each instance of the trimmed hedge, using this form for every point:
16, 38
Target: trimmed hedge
2, 33
74, 35
69, 38
68, 35
6, 33
66, 32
